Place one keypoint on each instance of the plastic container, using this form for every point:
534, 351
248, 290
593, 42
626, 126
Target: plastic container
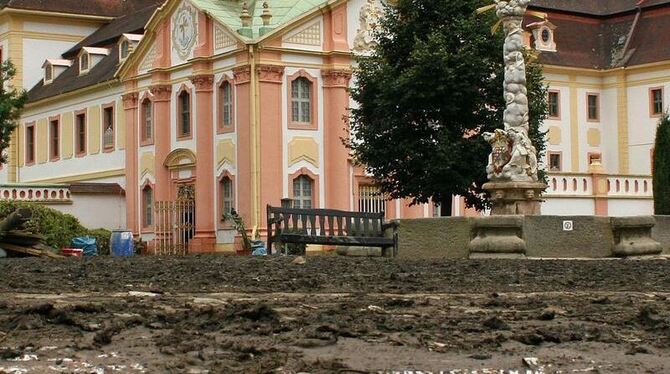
88, 244
121, 243
72, 252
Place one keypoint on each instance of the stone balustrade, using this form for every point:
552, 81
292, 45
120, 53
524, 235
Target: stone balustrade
582, 185
43, 193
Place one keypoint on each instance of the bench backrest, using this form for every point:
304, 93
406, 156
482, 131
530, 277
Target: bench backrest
324, 222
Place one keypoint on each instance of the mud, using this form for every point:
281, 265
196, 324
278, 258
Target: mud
333, 315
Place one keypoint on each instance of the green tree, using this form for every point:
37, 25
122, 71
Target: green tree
662, 167
425, 93
12, 101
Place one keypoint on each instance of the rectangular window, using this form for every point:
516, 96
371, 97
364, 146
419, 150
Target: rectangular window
302, 192
593, 102
555, 161
301, 100
81, 134
656, 101
54, 139
595, 159
108, 123
184, 114
554, 104
227, 194
147, 121
148, 207
30, 144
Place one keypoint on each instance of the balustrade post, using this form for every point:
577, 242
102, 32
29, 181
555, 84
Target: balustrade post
600, 190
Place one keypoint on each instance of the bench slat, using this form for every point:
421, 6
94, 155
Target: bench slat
335, 240
340, 229
331, 226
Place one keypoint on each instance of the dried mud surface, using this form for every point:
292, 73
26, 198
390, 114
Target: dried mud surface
333, 315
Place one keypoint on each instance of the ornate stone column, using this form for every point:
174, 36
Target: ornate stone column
336, 158
162, 94
132, 177
512, 172
205, 203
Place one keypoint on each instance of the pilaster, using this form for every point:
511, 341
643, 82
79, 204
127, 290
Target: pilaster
162, 95
336, 158
132, 178
205, 219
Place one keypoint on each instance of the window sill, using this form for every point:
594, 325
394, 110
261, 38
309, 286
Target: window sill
108, 149
145, 143
302, 126
228, 129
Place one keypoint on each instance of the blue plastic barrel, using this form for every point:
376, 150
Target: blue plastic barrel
121, 243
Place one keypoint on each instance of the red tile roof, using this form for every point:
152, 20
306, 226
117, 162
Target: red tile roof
597, 41
108, 8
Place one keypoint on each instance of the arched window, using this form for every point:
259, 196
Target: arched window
184, 114
301, 100
302, 192
147, 206
147, 121
227, 199
226, 104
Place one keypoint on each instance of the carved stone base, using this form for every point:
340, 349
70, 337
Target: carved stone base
498, 237
632, 236
515, 198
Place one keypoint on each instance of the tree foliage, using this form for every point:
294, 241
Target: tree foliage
11, 105
425, 93
662, 167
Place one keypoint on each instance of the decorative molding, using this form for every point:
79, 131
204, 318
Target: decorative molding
147, 165
130, 100
336, 78
161, 92
242, 74
303, 149
270, 73
225, 152
149, 59
554, 135
203, 82
180, 158
222, 39
593, 137
369, 18
310, 35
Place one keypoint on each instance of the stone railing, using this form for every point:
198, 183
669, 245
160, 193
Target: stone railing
629, 186
570, 185
42, 193
582, 185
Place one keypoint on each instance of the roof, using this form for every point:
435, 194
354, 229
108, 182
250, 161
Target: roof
598, 42
96, 188
105, 8
228, 12
103, 71
599, 8
131, 24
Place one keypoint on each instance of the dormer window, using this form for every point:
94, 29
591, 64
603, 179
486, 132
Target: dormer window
84, 63
127, 44
125, 49
53, 68
543, 33
89, 57
48, 73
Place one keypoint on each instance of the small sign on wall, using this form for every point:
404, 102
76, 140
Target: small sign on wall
568, 226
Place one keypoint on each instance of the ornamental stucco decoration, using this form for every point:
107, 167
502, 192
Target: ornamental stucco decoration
184, 30
369, 18
513, 157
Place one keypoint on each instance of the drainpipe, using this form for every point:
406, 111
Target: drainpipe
254, 135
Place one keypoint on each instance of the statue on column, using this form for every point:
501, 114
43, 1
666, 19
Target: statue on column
512, 170
513, 158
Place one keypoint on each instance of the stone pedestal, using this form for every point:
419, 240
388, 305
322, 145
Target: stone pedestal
632, 237
515, 198
498, 237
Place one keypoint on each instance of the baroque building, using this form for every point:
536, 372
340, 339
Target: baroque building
150, 115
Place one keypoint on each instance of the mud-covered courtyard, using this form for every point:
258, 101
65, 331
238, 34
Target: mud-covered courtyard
333, 315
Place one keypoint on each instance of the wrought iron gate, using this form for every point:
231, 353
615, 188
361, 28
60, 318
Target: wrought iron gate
175, 223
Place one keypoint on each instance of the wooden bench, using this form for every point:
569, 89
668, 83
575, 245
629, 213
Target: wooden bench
331, 227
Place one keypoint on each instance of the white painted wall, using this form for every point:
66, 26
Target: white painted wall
35, 52
568, 207
97, 210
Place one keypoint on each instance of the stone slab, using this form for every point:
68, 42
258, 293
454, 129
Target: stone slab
426, 238
661, 232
